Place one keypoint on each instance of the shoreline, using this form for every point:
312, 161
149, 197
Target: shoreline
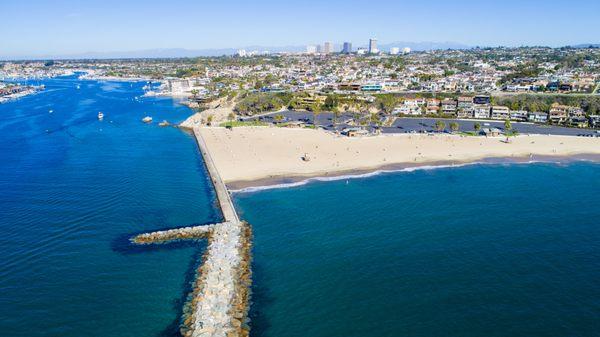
261, 156
289, 181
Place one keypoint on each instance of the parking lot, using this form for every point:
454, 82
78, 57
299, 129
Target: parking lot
424, 125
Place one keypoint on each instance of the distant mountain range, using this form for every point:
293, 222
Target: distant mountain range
587, 45
182, 52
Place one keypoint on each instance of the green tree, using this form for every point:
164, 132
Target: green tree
454, 126
386, 103
376, 119
477, 126
507, 125
316, 110
336, 116
209, 119
331, 102
440, 126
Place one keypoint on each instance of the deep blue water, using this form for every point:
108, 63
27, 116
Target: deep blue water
495, 250
504, 250
72, 189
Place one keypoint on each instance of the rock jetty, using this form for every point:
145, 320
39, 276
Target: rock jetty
186, 233
218, 303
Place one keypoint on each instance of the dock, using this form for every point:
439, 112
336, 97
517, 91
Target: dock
218, 304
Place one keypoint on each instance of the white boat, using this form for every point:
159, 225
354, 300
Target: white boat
100, 116
147, 119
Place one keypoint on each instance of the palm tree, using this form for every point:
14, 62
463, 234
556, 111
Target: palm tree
454, 126
477, 126
507, 125
440, 126
336, 115
316, 110
209, 119
279, 118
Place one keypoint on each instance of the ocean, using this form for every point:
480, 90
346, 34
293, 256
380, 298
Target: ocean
478, 250
73, 190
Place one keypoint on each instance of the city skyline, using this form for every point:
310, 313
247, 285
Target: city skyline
68, 27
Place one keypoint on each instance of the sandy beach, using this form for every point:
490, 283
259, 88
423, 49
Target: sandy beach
250, 154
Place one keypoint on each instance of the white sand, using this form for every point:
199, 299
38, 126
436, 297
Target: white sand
252, 153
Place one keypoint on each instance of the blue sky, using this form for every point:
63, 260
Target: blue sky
37, 27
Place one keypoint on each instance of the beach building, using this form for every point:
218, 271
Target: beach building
537, 117
559, 113
481, 111
500, 112
465, 107
594, 121
348, 87
491, 132
485, 100
371, 87
354, 132
449, 106
518, 115
432, 106
578, 122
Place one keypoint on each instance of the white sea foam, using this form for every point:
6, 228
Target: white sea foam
349, 176
380, 172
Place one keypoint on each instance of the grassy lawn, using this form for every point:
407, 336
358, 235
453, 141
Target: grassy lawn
469, 133
243, 123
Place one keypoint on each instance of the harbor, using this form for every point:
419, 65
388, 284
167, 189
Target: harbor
218, 303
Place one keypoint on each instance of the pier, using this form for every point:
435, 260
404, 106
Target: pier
218, 303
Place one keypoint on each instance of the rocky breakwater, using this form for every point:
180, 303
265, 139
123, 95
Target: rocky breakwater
218, 303
185, 233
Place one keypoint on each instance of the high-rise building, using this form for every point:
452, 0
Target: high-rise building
406, 50
328, 48
394, 51
373, 46
347, 48
311, 49
319, 49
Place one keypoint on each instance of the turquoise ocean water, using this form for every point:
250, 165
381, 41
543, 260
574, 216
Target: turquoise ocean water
482, 250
